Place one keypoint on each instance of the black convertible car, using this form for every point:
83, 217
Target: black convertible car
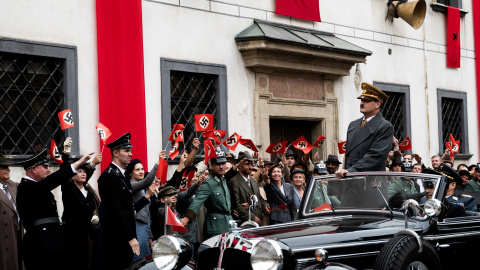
363, 221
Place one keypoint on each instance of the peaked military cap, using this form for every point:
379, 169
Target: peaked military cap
320, 168
370, 91
221, 158
122, 142
41, 158
452, 176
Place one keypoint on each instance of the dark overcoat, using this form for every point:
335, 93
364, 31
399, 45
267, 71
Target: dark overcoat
242, 193
367, 147
43, 245
119, 222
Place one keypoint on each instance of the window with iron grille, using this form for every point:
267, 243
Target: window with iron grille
33, 90
190, 88
452, 106
452, 3
396, 109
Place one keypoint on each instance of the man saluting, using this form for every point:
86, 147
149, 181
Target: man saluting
369, 139
120, 240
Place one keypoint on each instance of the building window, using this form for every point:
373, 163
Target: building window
396, 109
452, 107
190, 88
452, 3
35, 82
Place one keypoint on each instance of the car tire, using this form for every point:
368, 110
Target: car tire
401, 253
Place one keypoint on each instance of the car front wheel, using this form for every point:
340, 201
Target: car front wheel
401, 253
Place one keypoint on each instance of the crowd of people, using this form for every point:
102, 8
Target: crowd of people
120, 226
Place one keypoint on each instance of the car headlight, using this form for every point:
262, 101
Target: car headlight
433, 208
266, 255
171, 252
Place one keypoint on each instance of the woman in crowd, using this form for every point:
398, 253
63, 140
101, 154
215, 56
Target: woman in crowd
298, 180
79, 204
139, 184
280, 196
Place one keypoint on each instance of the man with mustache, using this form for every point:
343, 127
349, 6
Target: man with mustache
369, 139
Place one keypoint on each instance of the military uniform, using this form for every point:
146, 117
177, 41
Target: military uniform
368, 144
472, 185
216, 196
319, 198
119, 222
467, 201
43, 244
401, 187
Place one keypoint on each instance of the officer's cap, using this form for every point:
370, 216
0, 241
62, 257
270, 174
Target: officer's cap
122, 142
320, 168
3, 161
39, 159
372, 92
452, 176
221, 158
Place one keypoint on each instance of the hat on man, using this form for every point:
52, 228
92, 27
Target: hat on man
267, 162
465, 172
297, 166
167, 191
290, 153
428, 183
245, 154
297, 171
333, 159
452, 176
41, 158
372, 92
121, 143
220, 156
3, 161
320, 168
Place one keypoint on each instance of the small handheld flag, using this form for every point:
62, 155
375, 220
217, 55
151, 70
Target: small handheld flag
277, 148
249, 144
232, 141
405, 144
220, 133
212, 137
174, 152
162, 171
453, 145
342, 147
54, 154
203, 122
103, 132
173, 221
66, 119
177, 133
303, 145
209, 151
320, 141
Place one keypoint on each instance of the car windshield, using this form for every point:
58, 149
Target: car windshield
372, 192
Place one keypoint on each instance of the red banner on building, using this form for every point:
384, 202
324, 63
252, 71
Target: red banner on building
302, 9
453, 37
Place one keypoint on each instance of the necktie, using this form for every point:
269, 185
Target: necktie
5, 188
363, 123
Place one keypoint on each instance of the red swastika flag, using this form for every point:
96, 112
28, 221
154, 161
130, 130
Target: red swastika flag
209, 150
342, 147
453, 145
54, 153
453, 37
405, 144
177, 133
66, 119
303, 145
162, 171
249, 144
320, 141
277, 148
103, 132
203, 122
232, 141
212, 137
174, 151
174, 222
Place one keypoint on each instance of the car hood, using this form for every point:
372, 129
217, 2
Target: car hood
334, 230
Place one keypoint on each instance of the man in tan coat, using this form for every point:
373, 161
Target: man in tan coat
10, 231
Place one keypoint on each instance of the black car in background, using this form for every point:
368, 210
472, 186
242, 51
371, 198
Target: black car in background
362, 221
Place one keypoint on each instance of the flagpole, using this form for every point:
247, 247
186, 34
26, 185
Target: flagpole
166, 218
103, 147
168, 142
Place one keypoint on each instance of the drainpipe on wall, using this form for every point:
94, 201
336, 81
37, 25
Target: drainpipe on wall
476, 28
426, 86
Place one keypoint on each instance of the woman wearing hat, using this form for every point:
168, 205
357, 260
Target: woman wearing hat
298, 179
281, 197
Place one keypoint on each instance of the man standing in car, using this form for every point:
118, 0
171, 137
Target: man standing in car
369, 139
